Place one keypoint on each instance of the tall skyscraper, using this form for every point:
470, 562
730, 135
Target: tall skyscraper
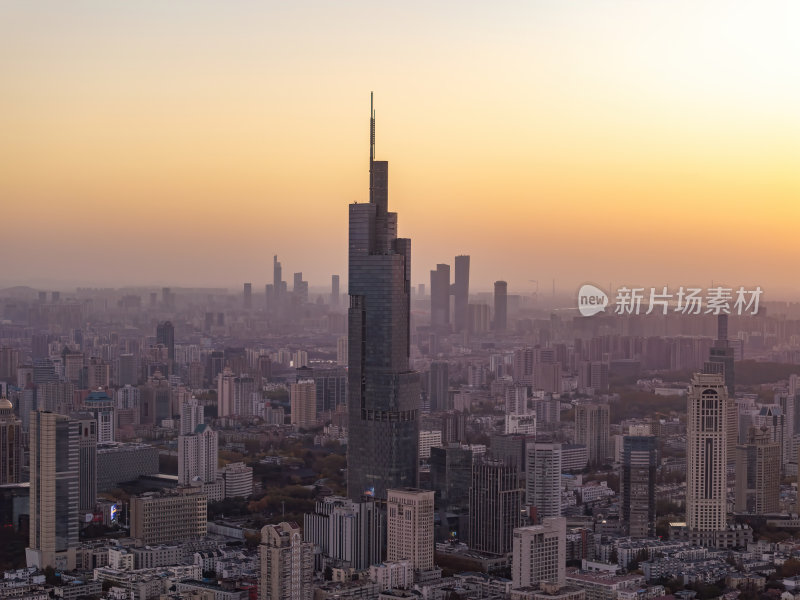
706, 453
409, 527
247, 297
165, 336
758, 474
543, 479
592, 429
383, 392
500, 322
495, 504
440, 298
287, 563
461, 293
54, 496
10, 443
638, 485
540, 554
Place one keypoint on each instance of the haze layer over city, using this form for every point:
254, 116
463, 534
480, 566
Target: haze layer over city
579, 141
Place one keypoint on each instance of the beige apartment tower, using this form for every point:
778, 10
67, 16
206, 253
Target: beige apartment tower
706, 453
593, 430
303, 398
758, 474
287, 563
409, 527
54, 495
540, 554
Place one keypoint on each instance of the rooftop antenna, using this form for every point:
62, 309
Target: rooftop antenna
371, 142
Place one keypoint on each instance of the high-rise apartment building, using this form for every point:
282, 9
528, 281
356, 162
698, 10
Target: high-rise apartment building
638, 485
303, 400
102, 408
495, 504
517, 400
500, 322
225, 394
409, 527
706, 453
440, 298
383, 392
287, 563
54, 491
347, 534
10, 443
758, 474
331, 385
461, 293
192, 415
243, 388
540, 554
198, 456
98, 373
543, 479
593, 430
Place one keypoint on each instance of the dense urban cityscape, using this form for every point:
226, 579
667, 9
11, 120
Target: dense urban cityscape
226, 373
433, 443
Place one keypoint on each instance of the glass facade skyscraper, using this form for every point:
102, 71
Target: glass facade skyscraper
383, 393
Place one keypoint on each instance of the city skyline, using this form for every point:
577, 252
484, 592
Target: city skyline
536, 132
587, 387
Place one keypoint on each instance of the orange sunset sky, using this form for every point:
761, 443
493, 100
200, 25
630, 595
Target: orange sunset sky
184, 143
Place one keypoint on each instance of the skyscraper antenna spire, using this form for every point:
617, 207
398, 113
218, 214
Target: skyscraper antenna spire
371, 143
371, 128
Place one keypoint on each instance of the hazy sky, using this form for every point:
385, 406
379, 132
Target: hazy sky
650, 142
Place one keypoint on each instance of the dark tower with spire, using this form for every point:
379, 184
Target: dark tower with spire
383, 393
